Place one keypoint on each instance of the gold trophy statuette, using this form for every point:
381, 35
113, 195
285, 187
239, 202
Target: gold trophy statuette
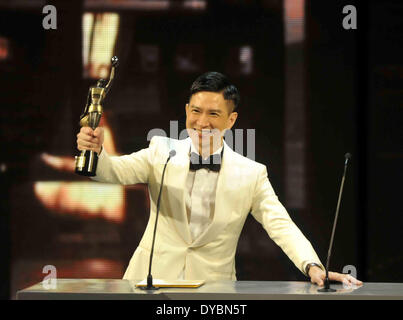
86, 162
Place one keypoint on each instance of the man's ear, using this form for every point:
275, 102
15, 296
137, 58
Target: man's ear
232, 118
186, 108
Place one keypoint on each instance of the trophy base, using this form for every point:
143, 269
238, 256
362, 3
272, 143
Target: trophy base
86, 163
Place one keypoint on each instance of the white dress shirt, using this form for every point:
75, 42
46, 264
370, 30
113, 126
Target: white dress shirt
200, 199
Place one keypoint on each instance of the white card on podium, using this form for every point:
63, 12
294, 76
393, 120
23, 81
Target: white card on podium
172, 283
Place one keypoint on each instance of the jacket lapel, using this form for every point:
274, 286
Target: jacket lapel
176, 175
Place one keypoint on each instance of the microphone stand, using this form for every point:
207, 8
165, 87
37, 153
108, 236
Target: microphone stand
327, 282
150, 277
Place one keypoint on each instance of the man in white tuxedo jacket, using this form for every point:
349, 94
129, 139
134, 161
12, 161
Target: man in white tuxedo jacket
203, 208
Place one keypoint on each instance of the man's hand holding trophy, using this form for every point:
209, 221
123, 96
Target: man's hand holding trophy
91, 137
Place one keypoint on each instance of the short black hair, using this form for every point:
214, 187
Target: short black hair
216, 82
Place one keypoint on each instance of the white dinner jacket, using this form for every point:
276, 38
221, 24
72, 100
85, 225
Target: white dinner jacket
242, 187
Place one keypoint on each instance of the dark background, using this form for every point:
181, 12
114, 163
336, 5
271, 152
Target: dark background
352, 84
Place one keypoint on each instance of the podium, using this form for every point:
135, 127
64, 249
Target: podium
118, 289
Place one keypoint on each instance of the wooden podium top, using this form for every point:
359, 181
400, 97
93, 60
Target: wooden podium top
118, 289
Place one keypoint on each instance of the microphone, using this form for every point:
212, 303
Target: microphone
327, 288
150, 286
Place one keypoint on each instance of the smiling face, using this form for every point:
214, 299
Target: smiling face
208, 116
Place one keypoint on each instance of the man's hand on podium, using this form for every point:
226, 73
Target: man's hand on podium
318, 276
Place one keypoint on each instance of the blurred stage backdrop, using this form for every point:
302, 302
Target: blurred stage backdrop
311, 89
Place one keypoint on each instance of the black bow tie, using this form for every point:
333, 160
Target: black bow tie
212, 163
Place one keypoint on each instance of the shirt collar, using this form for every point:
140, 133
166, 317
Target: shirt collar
195, 150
